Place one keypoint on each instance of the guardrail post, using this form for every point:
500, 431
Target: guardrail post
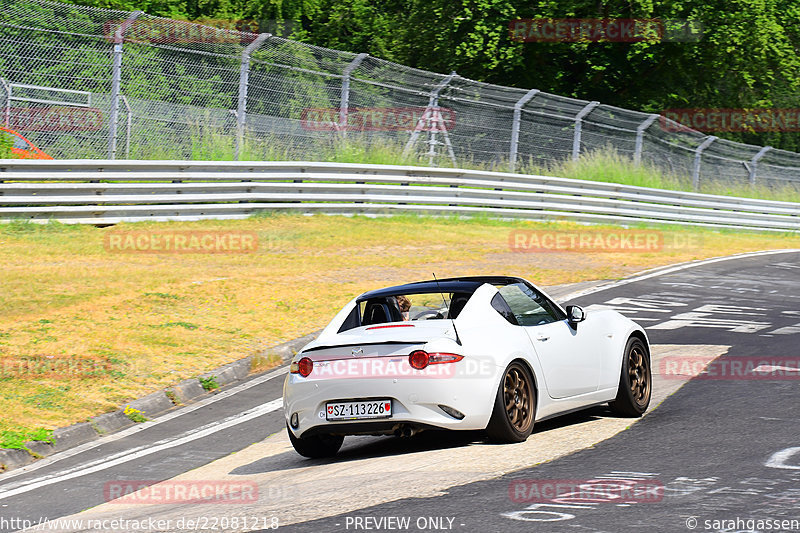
576, 139
515, 124
344, 102
640, 129
754, 162
116, 77
433, 102
697, 155
244, 78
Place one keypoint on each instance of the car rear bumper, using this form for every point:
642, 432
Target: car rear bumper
415, 402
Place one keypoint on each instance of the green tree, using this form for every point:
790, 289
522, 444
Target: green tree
747, 56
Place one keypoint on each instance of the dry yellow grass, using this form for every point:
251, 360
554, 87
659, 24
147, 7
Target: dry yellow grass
155, 319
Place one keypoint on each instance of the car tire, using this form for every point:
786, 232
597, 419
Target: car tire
318, 446
514, 406
635, 381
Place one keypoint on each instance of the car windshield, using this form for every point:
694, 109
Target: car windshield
411, 307
18, 141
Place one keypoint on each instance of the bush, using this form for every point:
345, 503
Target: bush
6, 144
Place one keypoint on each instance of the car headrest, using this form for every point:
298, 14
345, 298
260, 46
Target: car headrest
376, 313
456, 305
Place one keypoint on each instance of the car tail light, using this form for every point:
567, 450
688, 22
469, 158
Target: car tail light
303, 367
436, 358
420, 359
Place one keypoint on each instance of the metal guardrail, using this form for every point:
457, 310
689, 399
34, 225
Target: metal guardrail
108, 192
254, 95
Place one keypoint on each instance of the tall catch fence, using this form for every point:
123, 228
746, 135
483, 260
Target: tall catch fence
84, 82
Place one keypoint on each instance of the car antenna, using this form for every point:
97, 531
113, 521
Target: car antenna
458, 340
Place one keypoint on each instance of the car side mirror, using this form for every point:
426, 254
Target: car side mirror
575, 314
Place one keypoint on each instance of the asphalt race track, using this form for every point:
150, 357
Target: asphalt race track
721, 448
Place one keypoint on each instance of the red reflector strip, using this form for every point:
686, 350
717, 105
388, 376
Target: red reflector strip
392, 326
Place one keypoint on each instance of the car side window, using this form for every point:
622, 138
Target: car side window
505, 311
353, 320
530, 308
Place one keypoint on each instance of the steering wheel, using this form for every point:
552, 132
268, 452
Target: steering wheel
427, 315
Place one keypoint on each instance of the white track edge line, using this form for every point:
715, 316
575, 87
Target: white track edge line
143, 426
126, 456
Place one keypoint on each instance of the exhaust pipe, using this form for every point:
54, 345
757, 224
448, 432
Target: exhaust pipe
405, 431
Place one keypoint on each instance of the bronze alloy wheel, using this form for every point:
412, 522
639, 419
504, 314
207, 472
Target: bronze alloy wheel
514, 408
518, 398
633, 393
639, 374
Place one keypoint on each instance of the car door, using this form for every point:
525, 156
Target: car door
571, 367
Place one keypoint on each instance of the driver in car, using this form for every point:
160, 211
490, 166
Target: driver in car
405, 306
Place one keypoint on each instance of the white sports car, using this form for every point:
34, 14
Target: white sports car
470, 353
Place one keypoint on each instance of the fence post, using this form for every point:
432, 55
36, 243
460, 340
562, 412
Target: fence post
127, 126
515, 124
244, 78
576, 140
433, 102
7, 105
754, 162
344, 102
640, 129
697, 155
116, 77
